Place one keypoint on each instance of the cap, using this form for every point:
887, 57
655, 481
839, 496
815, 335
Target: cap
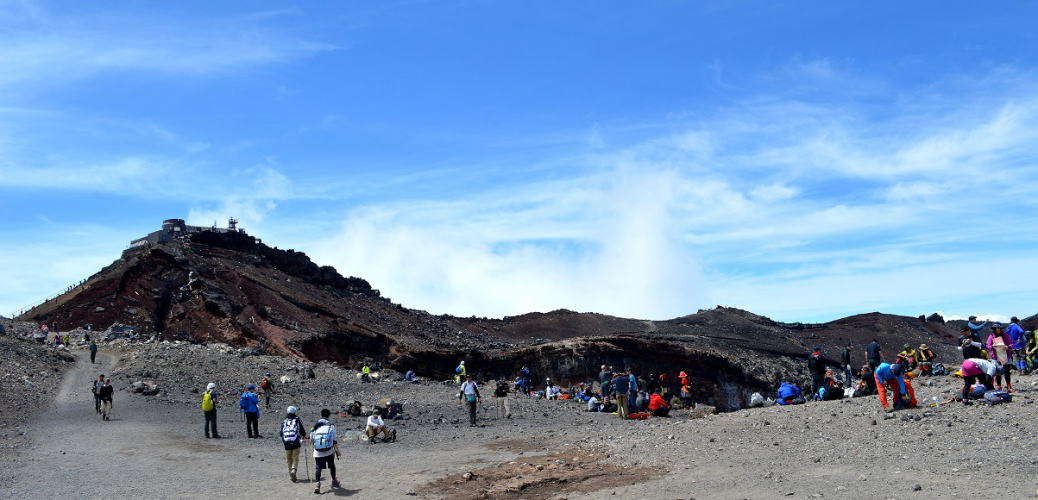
210, 387
923, 346
292, 410
250, 386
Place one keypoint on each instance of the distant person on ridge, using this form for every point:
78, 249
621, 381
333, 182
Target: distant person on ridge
326, 448
249, 405
873, 354
470, 394
106, 399
93, 352
209, 404
292, 435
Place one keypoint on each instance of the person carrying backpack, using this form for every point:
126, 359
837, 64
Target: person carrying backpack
267, 386
93, 352
460, 372
249, 405
292, 436
209, 403
470, 394
326, 448
106, 399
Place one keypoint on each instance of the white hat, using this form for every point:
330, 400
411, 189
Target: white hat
292, 410
210, 387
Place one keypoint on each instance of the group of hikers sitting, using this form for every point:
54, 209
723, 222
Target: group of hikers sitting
986, 362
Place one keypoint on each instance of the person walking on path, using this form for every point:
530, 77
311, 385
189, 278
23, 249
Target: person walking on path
96, 389
93, 351
845, 361
209, 404
873, 355
292, 435
106, 400
460, 372
470, 393
249, 405
267, 386
504, 410
326, 448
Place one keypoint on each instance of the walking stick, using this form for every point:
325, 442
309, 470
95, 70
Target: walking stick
306, 461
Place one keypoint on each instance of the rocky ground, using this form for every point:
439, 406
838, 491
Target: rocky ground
550, 449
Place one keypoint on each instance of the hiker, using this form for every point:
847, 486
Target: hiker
621, 386
326, 448
249, 405
975, 328
504, 410
970, 348
376, 426
106, 399
365, 373
93, 352
974, 371
1000, 350
1032, 349
664, 384
789, 394
926, 357
605, 377
831, 388
845, 361
658, 406
907, 357
594, 404
867, 385
409, 376
816, 366
292, 436
1019, 343
552, 391
891, 376
96, 389
209, 403
267, 386
460, 372
470, 393
873, 355
632, 388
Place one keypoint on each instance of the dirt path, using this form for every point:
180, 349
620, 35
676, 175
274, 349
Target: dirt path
153, 450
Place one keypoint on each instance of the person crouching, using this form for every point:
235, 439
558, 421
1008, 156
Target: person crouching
377, 426
891, 376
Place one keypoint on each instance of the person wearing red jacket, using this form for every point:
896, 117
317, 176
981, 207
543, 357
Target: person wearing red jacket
658, 406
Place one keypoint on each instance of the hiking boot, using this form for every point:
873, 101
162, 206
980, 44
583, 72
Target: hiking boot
393, 438
335, 483
317, 490
1009, 387
217, 436
292, 476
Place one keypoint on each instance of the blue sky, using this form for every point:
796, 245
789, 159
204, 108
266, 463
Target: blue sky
802, 160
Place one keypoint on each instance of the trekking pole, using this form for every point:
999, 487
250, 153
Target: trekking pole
306, 461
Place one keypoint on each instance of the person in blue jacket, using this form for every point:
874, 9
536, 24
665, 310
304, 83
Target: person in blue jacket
890, 376
789, 394
249, 404
1019, 343
975, 328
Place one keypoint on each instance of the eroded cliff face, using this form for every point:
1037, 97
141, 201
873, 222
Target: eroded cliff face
227, 287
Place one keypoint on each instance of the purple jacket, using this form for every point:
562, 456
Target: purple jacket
1007, 340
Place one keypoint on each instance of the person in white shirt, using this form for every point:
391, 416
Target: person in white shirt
553, 391
470, 394
377, 426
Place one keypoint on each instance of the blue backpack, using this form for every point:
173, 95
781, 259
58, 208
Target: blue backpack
324, 437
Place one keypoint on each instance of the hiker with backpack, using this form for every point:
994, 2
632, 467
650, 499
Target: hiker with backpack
1000, 349
249, 405
267, 386
292, 436
96, 389
326, 448
209, 403
93, 352
460, 372
470, 394
106, 399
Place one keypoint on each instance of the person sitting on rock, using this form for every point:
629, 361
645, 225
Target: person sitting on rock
365, 373
594, 404
925, 357
867, 384
376, 426
891, 376
658, 406
970, 348
552, 391
907, 357
789, 394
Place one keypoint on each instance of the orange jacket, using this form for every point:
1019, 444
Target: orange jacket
656, 402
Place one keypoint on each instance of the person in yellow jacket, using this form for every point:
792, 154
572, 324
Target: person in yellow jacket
365, 373
925, 356
209, 404
460, 372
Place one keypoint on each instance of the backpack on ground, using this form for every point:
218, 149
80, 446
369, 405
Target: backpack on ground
207, 401
323, 437
290, 430
938, 369
996, 397
354, 409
